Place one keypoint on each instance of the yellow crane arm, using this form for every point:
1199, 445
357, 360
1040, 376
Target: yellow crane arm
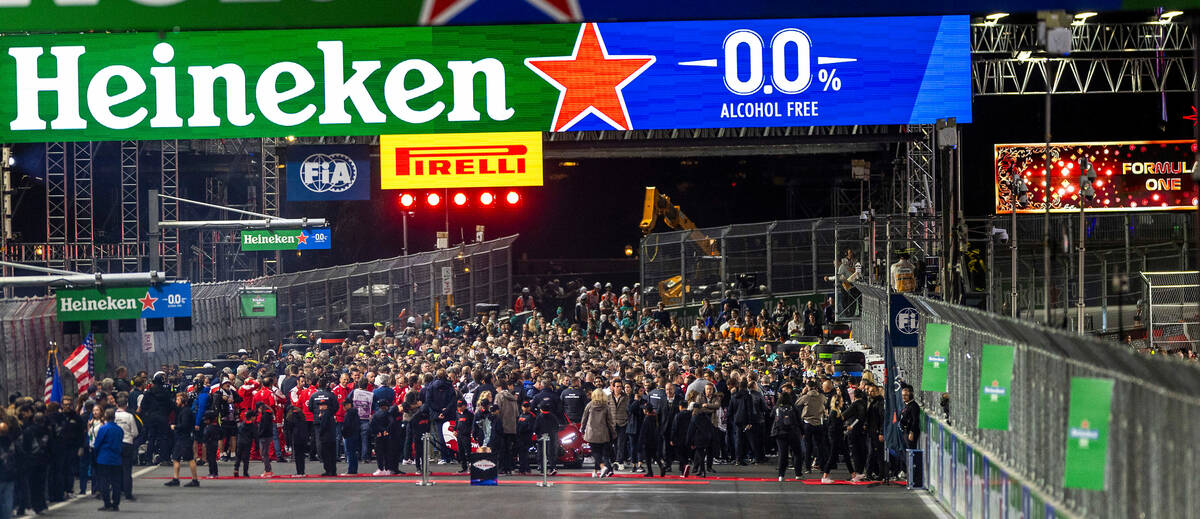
658, 205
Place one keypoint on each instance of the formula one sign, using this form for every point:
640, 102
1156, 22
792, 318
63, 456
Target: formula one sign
569, 77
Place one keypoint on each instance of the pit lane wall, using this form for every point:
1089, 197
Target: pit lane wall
323, 299
1152, 449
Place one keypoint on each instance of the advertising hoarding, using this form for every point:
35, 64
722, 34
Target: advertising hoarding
462, 160
425, 80
1130, 176
326, 173
101, 304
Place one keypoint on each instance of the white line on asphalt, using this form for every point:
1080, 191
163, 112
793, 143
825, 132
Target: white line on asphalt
934, 506
68, 502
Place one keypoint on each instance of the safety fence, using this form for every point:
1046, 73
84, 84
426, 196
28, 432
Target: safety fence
335, 298
1152, 447
1172, 306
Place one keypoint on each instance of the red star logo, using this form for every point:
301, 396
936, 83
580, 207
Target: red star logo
1084, 424
302, 239
148, 302
439, 12
590, 81
1192, 117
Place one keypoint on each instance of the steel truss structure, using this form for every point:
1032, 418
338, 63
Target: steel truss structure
56, 205
270, 194
169, 210
84, 208
1106, 58
130, 210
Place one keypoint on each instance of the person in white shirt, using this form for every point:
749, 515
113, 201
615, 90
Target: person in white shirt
362, 404
698, 333
129, 425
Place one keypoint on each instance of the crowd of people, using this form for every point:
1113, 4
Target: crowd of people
645, 390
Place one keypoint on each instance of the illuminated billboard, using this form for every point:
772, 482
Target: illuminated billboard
429, 80
1130, 176
461, 160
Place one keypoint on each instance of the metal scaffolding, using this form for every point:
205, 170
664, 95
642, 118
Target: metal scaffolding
56, 205
270, 195
1106, 58
130, 230
83, 206
919, 191
169, 210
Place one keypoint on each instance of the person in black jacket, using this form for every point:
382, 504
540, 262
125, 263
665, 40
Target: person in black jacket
295, 427
10, 464
246, 436
875, 414
910, 419
650, 437
74, 438
574, 399
184, 427
525, 427
266, 432
677, 436
211, 435
154, 407
327, 433
486, 431
463, 427
742, 418
545, 429
633, 410
855, 420
381, 421
351, 436
785, 428
36, 445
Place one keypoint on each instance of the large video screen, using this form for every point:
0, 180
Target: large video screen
434, 80
1130, 176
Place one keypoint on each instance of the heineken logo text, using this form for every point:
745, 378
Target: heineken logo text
71, 304
119, 97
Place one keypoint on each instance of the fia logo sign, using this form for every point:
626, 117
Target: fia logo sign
328, 173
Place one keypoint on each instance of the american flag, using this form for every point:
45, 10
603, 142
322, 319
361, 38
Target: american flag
54, 390
80, 364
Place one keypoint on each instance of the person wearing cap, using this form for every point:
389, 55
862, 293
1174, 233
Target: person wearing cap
545, 429
464, 425
154, 407
526, 422
524, 301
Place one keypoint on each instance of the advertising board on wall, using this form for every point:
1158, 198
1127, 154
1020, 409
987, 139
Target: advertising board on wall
429, 80
1130, 176
101, 304
326, 173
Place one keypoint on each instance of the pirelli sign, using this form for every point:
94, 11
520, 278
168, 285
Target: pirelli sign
460, 160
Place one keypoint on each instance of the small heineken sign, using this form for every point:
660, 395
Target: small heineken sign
936, 348
102, 304
995, 379
1088, 414
287, 239
258, 305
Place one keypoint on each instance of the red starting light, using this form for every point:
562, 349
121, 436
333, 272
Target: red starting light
433, 199
406, 200
487, 198
460, 199
512, 198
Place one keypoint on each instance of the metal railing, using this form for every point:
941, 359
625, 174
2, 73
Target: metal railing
1153, 445
330, 299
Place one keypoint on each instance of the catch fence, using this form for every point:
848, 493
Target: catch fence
1152, 448
335, 298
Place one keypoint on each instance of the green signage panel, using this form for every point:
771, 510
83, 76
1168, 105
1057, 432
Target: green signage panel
258, 305
286, 239
936, 352
101, 304
995, 384
1087, 433
169, 15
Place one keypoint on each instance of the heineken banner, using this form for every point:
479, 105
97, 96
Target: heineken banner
287, 239
257, 305
995, 380
1087, 433
936, 352
568, 77
102, 304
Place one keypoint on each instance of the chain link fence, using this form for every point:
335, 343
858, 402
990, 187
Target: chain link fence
1173, 307
334, 298
1153, 444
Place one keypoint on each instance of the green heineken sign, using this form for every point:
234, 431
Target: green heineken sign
287, 239
102, 304
166, 15
1087, 433
258, 305
936, 352
995, 383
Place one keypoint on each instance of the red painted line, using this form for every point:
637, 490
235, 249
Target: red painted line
502, 482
